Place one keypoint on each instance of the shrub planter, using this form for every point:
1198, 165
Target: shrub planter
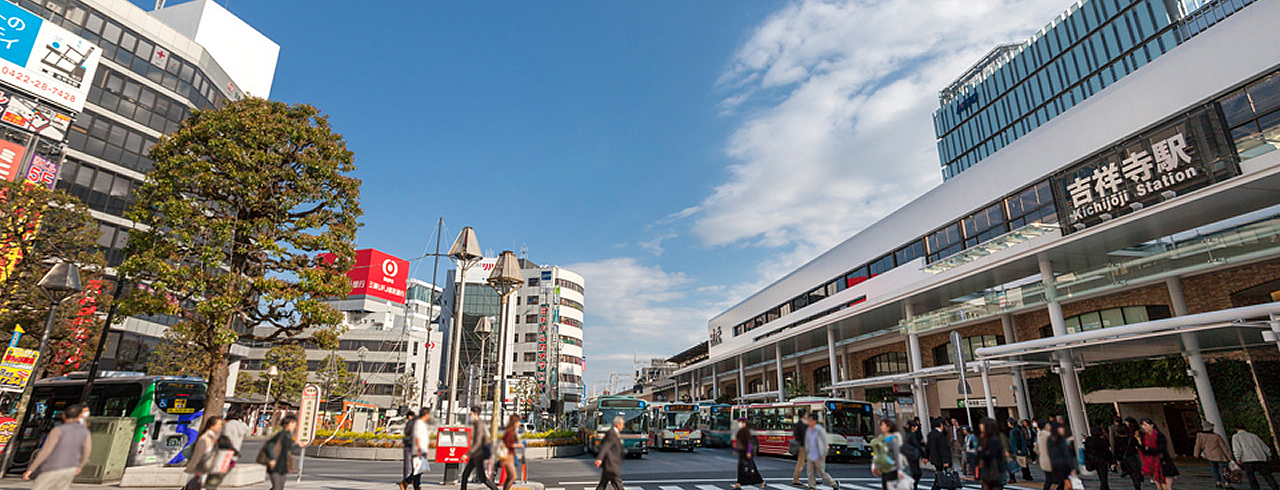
360, 453
535, 453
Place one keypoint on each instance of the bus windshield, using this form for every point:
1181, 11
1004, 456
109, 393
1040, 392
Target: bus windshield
851, 419
180, 397
680, 420
634, 417
720, 419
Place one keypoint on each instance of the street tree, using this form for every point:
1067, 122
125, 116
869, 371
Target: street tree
39, 227
335, 380
241, 205
526, 393
291, 361
174, 356
406, 390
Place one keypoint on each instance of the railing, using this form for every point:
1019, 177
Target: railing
1206, 15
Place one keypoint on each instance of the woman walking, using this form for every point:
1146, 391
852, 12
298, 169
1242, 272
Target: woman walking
1062, 461
511, 441
886, 454
1098, 456
1156, 462
912, 450
970, 450
991, 456
1127, 454
744, 443
202, 463
278, 453
1211, 447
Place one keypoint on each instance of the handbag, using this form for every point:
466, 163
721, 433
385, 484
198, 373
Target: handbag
421, 465
223, 461
948, 479
1074, 483
263, 456
904, 482
793, 447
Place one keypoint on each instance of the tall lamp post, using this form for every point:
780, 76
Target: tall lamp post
465, 254
272, 372
484, 330
62, 281
506, 278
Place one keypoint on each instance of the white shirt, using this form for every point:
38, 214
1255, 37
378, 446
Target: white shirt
421, 439
1249, 448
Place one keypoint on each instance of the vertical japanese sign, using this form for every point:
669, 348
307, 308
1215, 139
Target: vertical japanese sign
43, 171
1178, 157
10, 159
541, 375
15, 369
308, 414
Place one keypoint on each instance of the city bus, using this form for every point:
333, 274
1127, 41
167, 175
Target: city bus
674, 426
168, 410
597, 418
717, 425
850, 424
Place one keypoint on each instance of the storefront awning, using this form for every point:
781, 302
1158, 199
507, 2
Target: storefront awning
1218, 330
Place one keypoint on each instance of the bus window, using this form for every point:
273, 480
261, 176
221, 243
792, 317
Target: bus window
180, 397
114, 400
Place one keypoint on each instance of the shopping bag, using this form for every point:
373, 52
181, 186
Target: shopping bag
1074, 483
421, 465
904, 482
223, 460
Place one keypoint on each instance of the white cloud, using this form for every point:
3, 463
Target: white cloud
836, 99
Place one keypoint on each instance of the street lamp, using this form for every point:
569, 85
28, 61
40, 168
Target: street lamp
506, 278
484, 330
62, 281
465, 253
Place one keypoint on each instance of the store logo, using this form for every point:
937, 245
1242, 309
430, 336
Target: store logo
390, 268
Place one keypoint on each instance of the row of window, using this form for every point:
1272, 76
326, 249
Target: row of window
130, 50
1080, 56
568, 359
111, 141
1034, 204
1253, 113
570, 285
99, 189
571, 303
122, 95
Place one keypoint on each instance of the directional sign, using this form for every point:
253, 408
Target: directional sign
308, 414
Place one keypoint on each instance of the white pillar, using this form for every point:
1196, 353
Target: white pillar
916, 362
1070, 383
1195, 359
1019, 379
777, 360
742, 378
715, 382
831, 357
986, 391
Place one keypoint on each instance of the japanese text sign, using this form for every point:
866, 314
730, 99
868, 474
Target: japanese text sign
45, 59
16, 368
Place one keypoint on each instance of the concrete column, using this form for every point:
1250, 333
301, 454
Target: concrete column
715, 382
1066, 365
1019, 379
777, 360
986, 391
742, 378
831, 357
916, 362
1195, 359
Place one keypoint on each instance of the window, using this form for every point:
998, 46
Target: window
530, 357
821, 378
571, 303
881, 265
856, 277
531, 337
910, 252
1032, 205
532, 282
531, 318
1111, 317
570, 285
531, 300
944, 242
942, 353
984, 225
884, 364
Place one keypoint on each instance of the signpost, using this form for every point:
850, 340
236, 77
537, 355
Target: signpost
308, 420
957, 354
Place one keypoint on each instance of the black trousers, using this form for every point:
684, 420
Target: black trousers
1253, 468
415, 480
1103, 474
610, 478
476, 465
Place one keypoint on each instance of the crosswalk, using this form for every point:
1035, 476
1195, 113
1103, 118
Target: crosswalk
845, 484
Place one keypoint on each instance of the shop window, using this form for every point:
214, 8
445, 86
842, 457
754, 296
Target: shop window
1111, 317
942, 353
885, 364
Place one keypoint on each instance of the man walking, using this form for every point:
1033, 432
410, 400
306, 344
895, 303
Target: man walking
937, 450
610, 460
798, 433
1252, 454
65, 451
815, 443
478, 453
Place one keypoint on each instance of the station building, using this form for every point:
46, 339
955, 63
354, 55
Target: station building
1106, 240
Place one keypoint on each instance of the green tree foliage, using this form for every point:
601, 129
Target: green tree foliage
241, 205
37, 228
334, 378
291, 361
176, 357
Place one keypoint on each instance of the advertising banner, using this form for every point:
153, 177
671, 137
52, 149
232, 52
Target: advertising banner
308, 414
43, 171
541, 374
16, 368
1175, 158
32, 115
380, 275
10, 159
45, 59
8, 426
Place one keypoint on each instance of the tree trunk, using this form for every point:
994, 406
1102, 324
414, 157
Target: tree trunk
217, 393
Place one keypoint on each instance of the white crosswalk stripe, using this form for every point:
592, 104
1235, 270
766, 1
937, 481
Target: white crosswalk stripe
669, 487
708, 487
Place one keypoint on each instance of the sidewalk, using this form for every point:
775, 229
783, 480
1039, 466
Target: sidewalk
1195, 475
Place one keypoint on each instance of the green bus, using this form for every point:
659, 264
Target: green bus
597, 418
168, 410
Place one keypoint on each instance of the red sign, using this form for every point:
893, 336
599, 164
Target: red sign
378, 274
10, 159
452, 444
8, 426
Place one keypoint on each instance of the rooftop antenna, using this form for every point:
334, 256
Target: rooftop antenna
524, 252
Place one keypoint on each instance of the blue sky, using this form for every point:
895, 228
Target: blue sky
679, 154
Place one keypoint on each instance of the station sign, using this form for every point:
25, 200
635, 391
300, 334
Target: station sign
1188, 153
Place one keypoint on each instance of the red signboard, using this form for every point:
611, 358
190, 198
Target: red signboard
378, 274
10, 159
452, 444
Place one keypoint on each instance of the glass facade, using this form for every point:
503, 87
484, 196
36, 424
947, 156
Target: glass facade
1090, 47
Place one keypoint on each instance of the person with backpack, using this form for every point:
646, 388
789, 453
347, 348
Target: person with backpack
886, 454
277, 453
990, 456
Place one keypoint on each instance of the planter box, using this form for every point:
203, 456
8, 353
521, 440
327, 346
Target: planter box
360, 453
175, 477
535, 453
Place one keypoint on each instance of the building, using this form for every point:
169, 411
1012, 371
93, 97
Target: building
551, 299
1136, 230
391, 341
128, 77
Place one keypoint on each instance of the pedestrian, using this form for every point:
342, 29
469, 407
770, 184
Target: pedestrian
234, 431
990, 456
416, 441
1127, 454
1026, 440
957, 442
937, 451
202, 462
745, 445
970, 450
1061, 456
798, 431
510, 441
886, 455
1018, 446
1211, 447
1042, 449
1098, 456
1252, 454
1156, 462
278, 452
65, 451
609, 456
478, 453
912, 451
815, 442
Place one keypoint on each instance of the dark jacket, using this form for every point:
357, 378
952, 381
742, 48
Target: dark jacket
1097, 454
283, 441
1061, 458
992, 466
937, 448
610, 453
913, 449
799, 431
1019, 441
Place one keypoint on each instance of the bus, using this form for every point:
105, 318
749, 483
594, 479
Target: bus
674, 426
717, 425
850, 424
597, 418
168, 410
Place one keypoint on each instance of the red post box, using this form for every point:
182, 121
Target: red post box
452, 444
